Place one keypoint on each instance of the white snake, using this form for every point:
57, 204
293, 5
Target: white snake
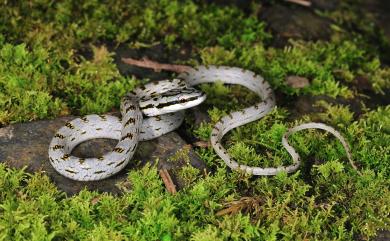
163, 103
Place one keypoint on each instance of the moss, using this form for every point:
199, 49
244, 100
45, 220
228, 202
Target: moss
328, 65
46, 71
181, 155
288, 207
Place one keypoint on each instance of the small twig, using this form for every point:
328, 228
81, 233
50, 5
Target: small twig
300, 2
157, 67
164, 174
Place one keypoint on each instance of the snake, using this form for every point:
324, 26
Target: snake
157, 108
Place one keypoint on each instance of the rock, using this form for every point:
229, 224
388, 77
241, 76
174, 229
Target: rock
379, 10
382, 235
297, 82
296, 23
158, 53
26, 144
362, 83
327, 5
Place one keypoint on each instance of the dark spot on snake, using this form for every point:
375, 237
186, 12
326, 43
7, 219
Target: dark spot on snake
118, 149
65, 157
120, 163
99, 129
128, 135
148, 106
59, 136
70, 171
131, 107
81, 160
131, 120
99, 172
84, 119
69, 125
109, 164
100, 158
83, 132
56, 147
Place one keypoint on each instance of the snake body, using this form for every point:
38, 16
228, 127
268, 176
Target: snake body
162, 103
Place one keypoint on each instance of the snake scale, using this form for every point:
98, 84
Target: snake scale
157, 108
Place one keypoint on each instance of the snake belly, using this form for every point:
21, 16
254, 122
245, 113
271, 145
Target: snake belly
163, 102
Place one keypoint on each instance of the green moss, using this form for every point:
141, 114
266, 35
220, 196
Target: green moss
181, 155
35, 85
288, 208
328, 65
44, 73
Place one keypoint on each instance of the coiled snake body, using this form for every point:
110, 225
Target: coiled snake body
163, 103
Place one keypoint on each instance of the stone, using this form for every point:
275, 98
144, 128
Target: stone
327, 5
382, 235
295, 22
26, 144
159, 53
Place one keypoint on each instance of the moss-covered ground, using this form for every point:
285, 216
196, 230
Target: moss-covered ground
45, 72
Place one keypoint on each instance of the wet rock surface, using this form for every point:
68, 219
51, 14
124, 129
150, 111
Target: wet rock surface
27, 144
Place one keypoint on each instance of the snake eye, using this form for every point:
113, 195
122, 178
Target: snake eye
181, 100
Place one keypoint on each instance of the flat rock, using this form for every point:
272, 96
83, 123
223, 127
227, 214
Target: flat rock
159, 53
296, 23
26, 144
327, 5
